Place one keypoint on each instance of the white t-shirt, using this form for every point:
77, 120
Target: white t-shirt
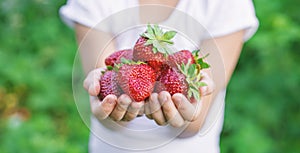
217, 17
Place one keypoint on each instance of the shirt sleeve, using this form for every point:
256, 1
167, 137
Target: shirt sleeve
228, 16
85, 12
79, 11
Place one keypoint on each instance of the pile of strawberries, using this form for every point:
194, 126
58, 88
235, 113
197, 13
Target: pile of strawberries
151, 66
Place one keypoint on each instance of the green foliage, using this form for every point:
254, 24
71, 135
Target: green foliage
38, 113
37, 110
262, 107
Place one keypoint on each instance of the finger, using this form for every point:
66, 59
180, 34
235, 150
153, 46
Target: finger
155, 110
94, 88
147, 110
91, 83
87, 81
169, 110
133, 110
101, 110
142, 111
210, 85
123, 103
187, 110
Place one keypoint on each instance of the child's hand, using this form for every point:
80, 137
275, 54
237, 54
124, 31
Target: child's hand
176, 109
118, 109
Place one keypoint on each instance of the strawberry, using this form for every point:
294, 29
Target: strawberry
180, 57
171, 80
108, 85
185, 79
185, 56
136, 80
115, 58
153, 46
157, 67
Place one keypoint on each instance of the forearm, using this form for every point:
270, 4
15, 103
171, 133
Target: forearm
229, 48
94, 46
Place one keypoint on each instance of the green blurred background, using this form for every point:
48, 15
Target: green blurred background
38, 113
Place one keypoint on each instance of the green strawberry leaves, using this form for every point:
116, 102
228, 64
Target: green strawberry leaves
160, 40
149, 36
125, 61
169, 35
193, 78
200, 60
157, 30
203, 64
150, 30
109, 67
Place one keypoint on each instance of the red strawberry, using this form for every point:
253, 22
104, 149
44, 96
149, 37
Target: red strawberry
115, 58
185, 79
153, 46
145, 53
136, 80
108, 85
173, 81
180, 57
157, 67
184, 56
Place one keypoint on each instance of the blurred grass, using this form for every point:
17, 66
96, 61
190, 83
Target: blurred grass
37, 110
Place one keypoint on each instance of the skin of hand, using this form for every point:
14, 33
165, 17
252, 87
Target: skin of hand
161, 107
116, 108
177, 109
229, 47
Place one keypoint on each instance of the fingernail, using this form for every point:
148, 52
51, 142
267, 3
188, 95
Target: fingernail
177, 96
164, 98
127, 99
111, 102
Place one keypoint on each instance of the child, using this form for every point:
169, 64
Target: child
179, 126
